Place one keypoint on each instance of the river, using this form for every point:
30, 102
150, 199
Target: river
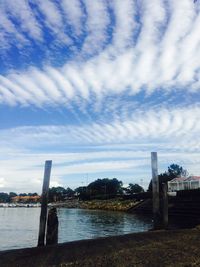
19, 226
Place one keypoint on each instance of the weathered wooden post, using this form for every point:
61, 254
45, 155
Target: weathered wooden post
43, 214
155, 190
165, 205
52, 227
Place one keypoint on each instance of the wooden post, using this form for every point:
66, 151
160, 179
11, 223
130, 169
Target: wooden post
165, 205
43, 214
52, 227
155, 190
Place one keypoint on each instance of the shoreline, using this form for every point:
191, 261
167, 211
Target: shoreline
155, 248
109, 204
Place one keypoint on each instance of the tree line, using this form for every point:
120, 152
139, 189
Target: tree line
101, 188
110, 188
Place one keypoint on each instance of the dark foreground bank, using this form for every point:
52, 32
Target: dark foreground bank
160, 248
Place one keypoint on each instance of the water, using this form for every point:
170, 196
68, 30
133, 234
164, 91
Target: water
19, 226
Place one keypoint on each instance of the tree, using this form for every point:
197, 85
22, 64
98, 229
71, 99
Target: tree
4, 197
69, 192
11, 195
105, 187
56, 194
134, 188
173, 171
82, 192
32, 194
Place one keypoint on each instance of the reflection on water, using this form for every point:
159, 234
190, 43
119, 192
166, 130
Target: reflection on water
83, 224
19, 226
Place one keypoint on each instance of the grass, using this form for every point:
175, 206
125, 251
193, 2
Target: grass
180, 248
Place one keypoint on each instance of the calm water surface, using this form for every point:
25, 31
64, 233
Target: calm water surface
19, 226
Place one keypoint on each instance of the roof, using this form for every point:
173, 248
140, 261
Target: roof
185, 179
25, 197
178, 179
193, 178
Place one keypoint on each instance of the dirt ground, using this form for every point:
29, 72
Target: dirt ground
156, 248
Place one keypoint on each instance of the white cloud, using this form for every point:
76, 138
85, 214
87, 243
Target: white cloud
21, 96
2, 182
173, 133
74, 14
162, 55
124, 12
162, 124
96, 25
144, 55
53, 19
8, 30
22, 12
24, 171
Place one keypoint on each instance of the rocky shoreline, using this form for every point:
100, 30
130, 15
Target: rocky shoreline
110, 204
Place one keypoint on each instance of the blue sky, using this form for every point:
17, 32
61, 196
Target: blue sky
96, 85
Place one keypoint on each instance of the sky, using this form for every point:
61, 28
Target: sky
96, 86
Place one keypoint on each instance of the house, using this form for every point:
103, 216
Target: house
184, 183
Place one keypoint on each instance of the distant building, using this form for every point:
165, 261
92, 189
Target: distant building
184, 183
26, 199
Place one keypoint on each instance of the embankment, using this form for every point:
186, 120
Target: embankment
110, 204
152, 249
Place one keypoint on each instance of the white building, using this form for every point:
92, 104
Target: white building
184, 183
